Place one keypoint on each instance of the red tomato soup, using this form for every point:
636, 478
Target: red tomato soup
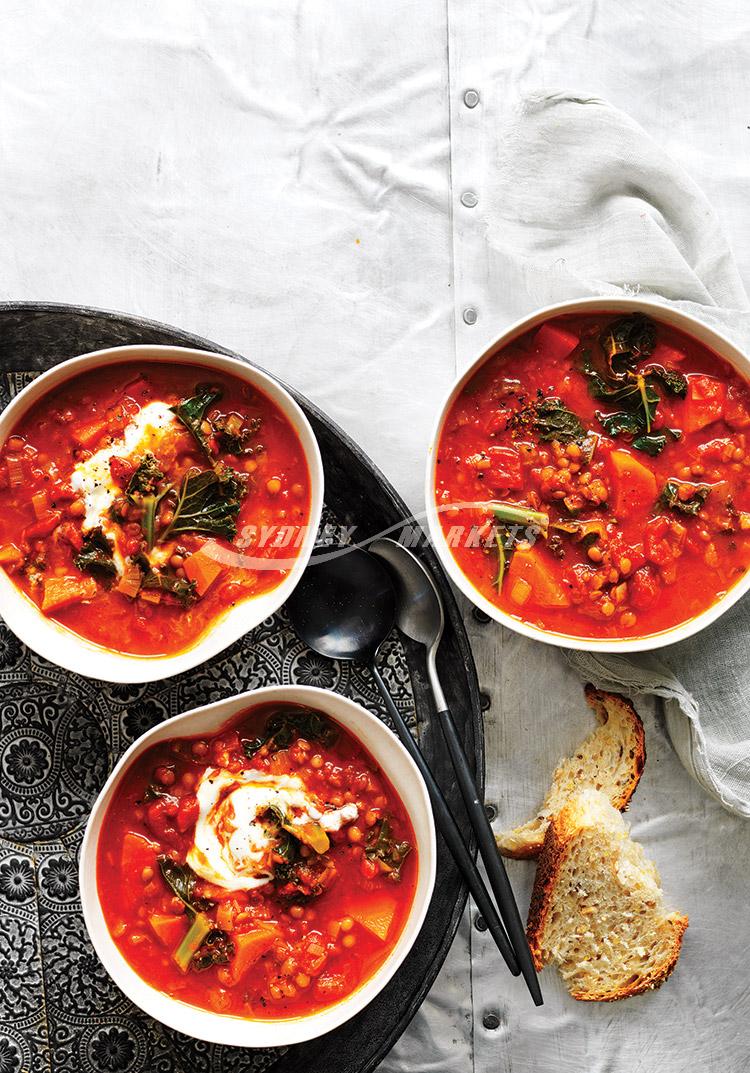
592, 477
266, 872
125, 492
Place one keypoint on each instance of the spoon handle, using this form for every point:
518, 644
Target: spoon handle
450, 831
498, 877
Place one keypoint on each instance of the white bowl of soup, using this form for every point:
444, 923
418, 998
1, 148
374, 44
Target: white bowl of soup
588, 479
255, 871
156, 503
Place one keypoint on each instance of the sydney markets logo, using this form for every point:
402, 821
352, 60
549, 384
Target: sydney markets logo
277, 547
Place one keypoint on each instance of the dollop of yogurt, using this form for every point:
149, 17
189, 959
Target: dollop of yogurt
235, 834
91, 478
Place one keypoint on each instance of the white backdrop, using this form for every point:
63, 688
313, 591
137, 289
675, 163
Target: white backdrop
286, 179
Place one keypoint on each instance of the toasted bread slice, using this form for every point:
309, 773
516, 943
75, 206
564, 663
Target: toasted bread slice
597, 909
610, 759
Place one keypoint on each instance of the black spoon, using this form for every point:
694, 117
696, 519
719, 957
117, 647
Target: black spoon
344, 607
420, 616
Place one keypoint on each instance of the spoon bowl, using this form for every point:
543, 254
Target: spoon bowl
344, 606
419, 609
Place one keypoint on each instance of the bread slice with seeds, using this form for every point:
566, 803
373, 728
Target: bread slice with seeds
610, 759
597, 910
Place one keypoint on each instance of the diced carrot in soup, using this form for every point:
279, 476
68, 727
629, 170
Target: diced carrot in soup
251, 945
40, 501
203, 568
505, 468
737, 409
121, 470
138, 852
45, 525
553, 341
633, 483
705, 402
169, 928
662, 544
715, 450
376, 915
16, 476
10, 553
645, 588
64, 591
219, 1000
130, 582
520, 590
87, 434
330, 986
544, 588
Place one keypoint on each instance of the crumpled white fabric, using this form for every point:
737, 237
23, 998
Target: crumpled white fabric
589, 193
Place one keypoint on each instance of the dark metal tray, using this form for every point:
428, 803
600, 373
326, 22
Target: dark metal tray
61, 734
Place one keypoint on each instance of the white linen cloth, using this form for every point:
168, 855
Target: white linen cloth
213, 166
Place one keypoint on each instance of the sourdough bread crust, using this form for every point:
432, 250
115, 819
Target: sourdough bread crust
561, 833
526, 841
550, 863
601, 703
